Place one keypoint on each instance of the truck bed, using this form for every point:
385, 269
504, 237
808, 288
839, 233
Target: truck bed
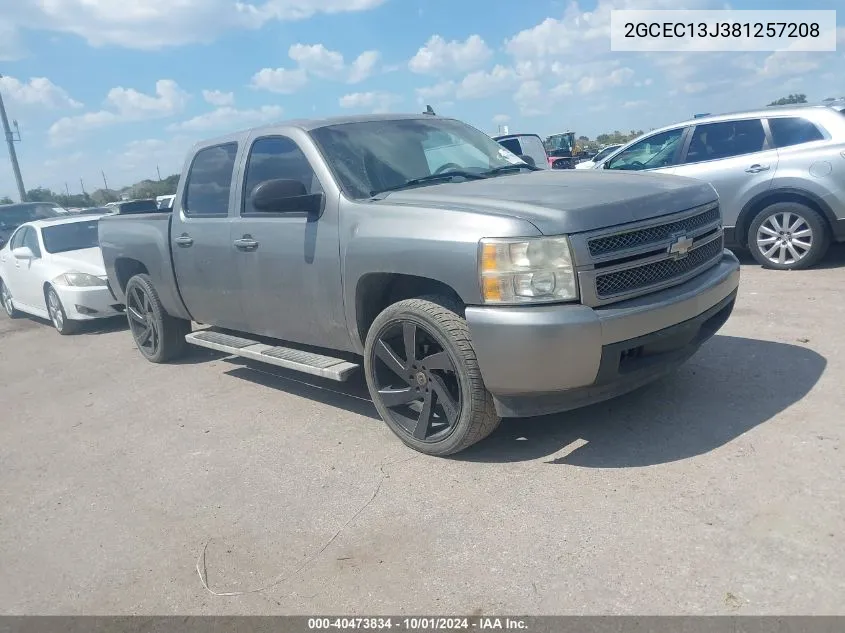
140, 243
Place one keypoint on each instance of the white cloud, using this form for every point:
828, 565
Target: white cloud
375, 101
482, 84
38, 91
155, 24
530, 99
363, 66
439, 56
442, 90
280, 80
169, 99
501, 119
127, 104
638, 103
218, 98
594, 83
317, 60
228, 118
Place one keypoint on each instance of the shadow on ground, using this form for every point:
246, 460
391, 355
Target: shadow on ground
732, 385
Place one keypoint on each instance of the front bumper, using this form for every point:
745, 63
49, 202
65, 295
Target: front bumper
545, 359
84, 304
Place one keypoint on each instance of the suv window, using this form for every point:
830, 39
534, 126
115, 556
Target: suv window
512, 144
714, 141
210, 181
277, 157
788, 131
653, 152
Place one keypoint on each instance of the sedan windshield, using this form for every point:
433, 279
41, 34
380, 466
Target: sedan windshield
376, 156
75, 236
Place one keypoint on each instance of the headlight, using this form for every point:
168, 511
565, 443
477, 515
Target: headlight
527, 270
78, 280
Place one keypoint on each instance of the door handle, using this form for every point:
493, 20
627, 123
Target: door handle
184, 241
246, 243
756, 169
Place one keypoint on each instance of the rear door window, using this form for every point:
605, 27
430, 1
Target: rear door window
714, 141
789, 131
210, 181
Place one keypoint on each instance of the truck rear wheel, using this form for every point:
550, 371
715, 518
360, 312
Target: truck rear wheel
424, 378
158, 336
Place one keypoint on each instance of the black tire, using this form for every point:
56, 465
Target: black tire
58, 316
158, 336
443, 328
767, 231
8, 303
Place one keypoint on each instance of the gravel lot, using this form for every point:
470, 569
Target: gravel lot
718, 490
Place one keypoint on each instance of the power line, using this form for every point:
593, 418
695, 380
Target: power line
10, 141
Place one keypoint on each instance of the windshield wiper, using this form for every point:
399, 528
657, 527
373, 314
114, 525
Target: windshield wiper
446, 175
504, 169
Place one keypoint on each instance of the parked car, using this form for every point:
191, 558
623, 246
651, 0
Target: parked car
779, 171
165, 202
467, 283
135, 206
13, 215
54, 269
598, 157
529, 147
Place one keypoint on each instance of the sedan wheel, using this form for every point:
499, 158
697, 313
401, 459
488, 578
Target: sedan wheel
6, 298
57, 314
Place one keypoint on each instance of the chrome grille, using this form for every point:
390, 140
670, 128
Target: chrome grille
651, 235
632, 279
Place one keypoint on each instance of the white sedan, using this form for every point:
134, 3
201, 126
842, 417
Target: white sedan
54, 269
604, 153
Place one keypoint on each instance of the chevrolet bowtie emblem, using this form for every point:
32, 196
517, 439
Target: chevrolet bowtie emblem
680, 246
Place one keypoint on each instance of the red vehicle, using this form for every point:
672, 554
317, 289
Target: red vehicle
559, 148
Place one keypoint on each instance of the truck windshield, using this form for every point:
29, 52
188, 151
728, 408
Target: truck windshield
75, 236
381, 155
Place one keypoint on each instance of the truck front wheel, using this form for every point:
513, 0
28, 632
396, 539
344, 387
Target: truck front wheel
424, 379
159, 336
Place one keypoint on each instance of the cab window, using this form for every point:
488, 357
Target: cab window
276, 157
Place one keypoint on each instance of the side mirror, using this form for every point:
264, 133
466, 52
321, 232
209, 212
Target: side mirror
285, 196
23, 252
528, 159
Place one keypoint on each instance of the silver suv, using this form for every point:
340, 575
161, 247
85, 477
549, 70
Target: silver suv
779, 172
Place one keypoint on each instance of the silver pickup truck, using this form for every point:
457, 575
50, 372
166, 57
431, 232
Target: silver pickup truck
469, 284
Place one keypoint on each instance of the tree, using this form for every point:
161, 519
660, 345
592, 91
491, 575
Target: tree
790, 99
5, 200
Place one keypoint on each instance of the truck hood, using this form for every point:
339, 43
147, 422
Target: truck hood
86, 260
566, 201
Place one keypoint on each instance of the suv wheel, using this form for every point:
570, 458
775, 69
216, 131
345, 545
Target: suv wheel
424, 378
788, 236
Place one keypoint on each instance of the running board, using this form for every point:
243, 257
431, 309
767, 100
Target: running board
287, 357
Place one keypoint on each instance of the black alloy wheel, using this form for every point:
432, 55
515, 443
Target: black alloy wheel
417, 381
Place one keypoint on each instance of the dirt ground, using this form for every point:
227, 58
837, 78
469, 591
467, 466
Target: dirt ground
717, 490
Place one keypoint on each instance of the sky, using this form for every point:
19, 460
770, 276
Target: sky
123, 89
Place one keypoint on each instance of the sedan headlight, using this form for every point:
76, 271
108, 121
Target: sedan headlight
79, 280
527, 270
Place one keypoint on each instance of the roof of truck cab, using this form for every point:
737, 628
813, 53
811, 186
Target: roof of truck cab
307, 125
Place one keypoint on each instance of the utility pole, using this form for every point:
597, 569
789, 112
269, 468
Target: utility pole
10, 141
159, 173
105, 182
82, 184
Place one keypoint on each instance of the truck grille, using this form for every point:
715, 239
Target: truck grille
653, 234
632, 279
635, 259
